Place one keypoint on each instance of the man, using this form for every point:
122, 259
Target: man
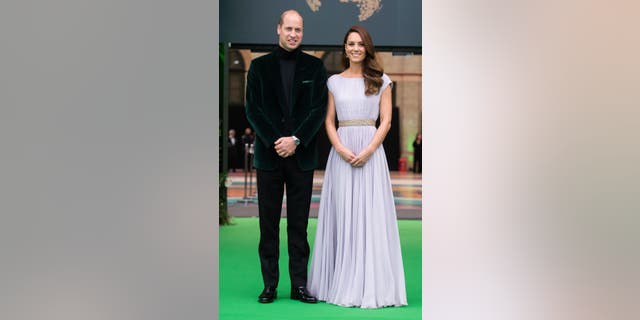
286, 106
247, 137
233, 150
247, 143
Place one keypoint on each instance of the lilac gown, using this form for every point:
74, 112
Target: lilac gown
356, 259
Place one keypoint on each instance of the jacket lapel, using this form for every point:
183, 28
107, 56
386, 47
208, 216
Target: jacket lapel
277, 78
297, 80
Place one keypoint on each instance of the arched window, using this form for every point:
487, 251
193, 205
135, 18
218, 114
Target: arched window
236, 79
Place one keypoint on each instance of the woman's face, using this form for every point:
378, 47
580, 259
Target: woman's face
354, 48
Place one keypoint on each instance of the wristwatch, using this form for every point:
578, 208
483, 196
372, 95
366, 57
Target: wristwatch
296, 141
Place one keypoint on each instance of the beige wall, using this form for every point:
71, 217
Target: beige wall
406, 71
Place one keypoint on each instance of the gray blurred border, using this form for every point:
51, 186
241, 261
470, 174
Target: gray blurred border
108, 177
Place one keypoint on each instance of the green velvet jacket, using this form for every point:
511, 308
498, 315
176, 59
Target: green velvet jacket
264, 111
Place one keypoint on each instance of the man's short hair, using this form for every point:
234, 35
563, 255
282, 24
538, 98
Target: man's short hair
281, 20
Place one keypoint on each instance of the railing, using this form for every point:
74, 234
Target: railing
249, 196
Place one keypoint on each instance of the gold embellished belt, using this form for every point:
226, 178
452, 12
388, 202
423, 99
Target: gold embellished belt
357, 122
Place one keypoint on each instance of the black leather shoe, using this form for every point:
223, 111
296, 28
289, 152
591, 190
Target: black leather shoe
301, 293
268, 295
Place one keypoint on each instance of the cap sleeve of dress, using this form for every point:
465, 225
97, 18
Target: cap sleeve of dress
386, 81
331, 83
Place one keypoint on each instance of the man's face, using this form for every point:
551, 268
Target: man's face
290, 32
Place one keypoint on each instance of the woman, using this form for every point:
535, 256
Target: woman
417, 153
356, 258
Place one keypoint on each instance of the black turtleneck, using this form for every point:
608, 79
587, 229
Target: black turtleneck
287, 70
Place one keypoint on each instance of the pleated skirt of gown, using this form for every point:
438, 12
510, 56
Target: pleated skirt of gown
357, 260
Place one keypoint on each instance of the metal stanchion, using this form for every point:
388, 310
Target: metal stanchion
248, 174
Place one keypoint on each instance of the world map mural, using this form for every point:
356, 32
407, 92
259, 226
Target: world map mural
367, 7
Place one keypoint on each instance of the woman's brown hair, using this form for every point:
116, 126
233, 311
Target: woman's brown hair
371, 69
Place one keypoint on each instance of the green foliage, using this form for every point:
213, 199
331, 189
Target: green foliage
223, 209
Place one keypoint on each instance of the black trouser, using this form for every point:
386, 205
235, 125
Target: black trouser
417, 165
270, 191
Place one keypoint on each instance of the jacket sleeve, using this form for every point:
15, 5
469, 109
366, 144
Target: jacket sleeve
309, 126
255, 108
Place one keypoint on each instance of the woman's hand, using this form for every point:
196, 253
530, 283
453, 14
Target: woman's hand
361, 158
346, 154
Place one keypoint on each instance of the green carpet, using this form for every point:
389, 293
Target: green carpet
241, 281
